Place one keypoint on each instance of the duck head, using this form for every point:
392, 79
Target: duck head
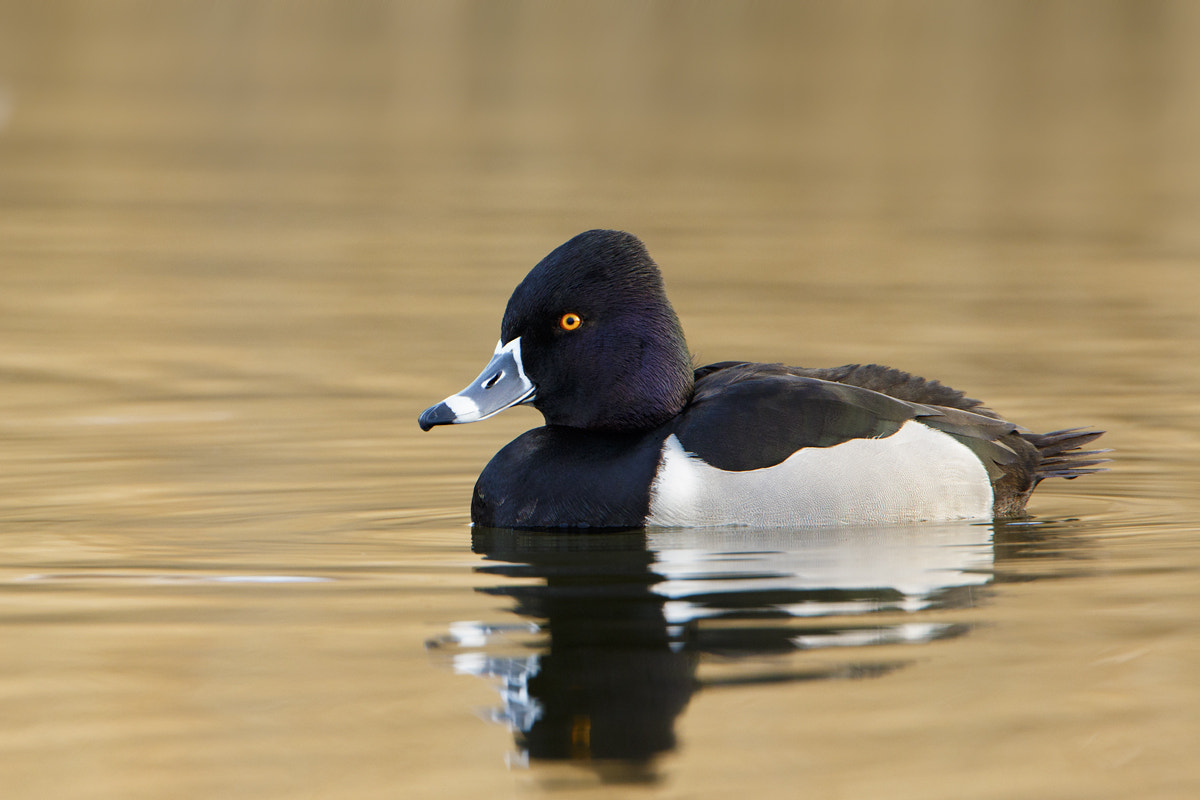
589, 338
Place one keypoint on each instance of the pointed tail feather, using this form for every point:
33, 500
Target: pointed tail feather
1061, 456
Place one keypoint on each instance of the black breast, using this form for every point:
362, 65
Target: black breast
555, 477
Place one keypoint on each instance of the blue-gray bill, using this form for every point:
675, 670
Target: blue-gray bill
502, 384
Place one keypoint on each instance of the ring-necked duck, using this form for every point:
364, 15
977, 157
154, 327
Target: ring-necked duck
635, 436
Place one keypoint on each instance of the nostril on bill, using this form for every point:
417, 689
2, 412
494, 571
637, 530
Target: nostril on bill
490, 382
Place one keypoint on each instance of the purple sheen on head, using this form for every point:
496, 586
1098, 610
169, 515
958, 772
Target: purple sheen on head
627, 367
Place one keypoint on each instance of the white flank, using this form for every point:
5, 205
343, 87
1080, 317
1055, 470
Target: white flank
917, 474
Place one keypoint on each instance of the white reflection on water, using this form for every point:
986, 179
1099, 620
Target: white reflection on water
903, 567
620, 623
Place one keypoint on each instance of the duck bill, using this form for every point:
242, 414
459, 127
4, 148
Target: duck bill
502, 384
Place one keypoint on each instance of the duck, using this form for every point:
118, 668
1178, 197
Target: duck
636, 436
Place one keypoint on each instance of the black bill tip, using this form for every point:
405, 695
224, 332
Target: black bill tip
436, 415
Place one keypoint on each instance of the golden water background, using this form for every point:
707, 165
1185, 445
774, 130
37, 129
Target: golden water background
242, 245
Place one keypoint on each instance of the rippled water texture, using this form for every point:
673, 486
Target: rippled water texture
242, 245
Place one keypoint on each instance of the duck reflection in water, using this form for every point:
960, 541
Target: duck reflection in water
624, 627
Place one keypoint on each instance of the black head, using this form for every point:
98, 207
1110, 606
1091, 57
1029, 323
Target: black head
599, 339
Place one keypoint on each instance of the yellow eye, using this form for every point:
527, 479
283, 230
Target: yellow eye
570, 321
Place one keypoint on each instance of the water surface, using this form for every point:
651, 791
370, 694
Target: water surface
242, 246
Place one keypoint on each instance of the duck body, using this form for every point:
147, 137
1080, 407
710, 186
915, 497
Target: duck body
635, 436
